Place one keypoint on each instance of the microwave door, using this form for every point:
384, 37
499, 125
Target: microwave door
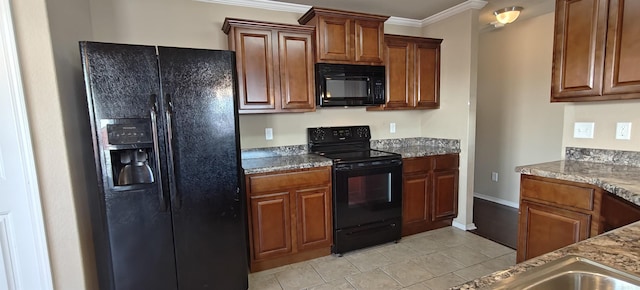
345, 88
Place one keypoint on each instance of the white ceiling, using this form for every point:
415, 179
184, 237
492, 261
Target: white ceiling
423, 9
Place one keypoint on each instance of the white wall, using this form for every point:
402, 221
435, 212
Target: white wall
516, 122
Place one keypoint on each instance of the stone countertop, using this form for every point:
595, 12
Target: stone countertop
619, 248
621, 180
420, 151
278, 163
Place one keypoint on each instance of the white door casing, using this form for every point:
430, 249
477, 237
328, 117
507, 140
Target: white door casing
24, 260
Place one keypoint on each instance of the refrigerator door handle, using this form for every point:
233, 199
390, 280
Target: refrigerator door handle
173, 190
156, 149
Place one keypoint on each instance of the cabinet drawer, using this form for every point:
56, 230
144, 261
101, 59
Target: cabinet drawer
446, 162
419, 164
565, 193
260, 184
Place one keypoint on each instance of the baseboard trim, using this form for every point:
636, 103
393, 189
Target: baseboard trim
496, 200
467, 227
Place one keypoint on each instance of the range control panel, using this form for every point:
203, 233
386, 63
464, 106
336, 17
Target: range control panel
338, 134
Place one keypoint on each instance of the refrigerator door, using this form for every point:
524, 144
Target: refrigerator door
199, 88
133, 236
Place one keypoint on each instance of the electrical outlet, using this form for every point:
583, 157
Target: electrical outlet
392, 127
494, 176
583, 130
623, 131
268, 133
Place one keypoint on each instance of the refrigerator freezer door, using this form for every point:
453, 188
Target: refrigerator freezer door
133, 237
209, 226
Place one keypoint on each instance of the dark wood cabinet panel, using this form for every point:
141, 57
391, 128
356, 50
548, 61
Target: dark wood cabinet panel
412, 71
346, 37
622, 61
596, 53
274, 65
255, 78
544, 228
368, 41
271, 225
289, 216
296, 71
429, 193
617, 212
416, 213
445, 195
314, 218
555, 213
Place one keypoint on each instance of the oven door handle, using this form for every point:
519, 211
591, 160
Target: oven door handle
368, 165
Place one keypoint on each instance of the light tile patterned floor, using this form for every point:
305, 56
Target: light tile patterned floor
432, 260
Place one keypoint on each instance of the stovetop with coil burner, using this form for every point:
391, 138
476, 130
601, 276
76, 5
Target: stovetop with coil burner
345, 144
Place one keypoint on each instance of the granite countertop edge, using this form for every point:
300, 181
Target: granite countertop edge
598, 174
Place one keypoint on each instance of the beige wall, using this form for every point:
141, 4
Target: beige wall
50, 108
516, 123
456, 117
605, 115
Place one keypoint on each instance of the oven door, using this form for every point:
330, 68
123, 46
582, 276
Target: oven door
367, 192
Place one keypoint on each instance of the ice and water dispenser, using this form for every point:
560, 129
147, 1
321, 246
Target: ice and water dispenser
129, 151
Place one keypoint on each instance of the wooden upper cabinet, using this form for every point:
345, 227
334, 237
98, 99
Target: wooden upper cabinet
274, 64
412, 71
622, 61
346, 37
596, 53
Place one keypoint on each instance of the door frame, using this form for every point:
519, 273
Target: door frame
8, 41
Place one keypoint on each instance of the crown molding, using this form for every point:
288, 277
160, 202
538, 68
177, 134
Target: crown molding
403, 21
299, 8
263, 4
468, 5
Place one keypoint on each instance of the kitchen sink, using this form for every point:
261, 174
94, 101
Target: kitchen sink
568, 273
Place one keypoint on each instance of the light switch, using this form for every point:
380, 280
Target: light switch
623, 131
583, 130
268, 133
392, 127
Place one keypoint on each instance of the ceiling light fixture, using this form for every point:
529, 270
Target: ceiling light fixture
508, 14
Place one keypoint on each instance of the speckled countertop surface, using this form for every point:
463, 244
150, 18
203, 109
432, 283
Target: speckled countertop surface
278, 163
619, 248
270, 159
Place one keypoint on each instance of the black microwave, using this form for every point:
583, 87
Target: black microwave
349, 85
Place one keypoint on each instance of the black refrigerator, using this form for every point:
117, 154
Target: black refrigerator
168, 212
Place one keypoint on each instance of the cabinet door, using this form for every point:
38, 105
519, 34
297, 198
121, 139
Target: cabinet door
271, 225
399, 72
578, 49
334, 41
622, 64
369, 39
416, 211
254, 57
297, 87
427, 75
617, 212
445, 195
544, 228
314, 218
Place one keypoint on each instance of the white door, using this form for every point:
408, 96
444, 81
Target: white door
24, 262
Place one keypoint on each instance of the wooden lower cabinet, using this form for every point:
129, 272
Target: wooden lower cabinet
556, 213
290, 217
545, 228
430, 193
